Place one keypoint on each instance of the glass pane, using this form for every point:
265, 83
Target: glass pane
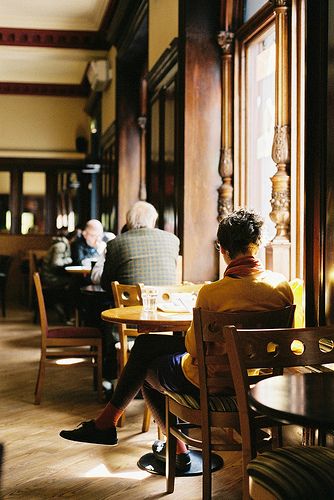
260, 121
67, 201
5, 219
33, 191
251, 7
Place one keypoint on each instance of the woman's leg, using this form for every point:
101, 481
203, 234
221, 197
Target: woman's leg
146, 349
165, 372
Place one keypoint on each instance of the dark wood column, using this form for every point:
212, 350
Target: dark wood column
319, 164
128, 91
200, 91
51, 202
16, 200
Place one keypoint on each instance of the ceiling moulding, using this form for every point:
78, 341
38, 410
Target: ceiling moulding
45, 89
52, 38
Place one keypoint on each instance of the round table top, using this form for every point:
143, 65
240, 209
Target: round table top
78, 269
304, 399
148, 321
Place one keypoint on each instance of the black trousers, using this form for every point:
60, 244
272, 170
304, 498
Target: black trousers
142, 372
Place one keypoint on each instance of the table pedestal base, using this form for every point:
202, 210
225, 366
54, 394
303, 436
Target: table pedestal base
149, 463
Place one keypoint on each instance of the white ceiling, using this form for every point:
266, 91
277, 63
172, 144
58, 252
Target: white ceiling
28, 64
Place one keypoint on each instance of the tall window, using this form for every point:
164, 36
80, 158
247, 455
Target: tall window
260, 121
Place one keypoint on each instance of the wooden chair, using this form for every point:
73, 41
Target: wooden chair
66, 342
212, 411
128, 295
34, 258
277, 349
5, 262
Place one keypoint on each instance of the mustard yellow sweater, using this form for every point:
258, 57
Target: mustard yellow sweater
261, 291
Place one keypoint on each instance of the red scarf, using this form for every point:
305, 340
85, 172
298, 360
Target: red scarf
243, 266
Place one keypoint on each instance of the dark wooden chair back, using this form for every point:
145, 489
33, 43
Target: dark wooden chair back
270, 348
210, 340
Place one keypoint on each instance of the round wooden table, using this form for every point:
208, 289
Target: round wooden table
83, 270
303, 399
147, 321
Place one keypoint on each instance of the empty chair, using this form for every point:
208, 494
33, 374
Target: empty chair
288, 472
124, 296
5, 262
67, 342
212, 411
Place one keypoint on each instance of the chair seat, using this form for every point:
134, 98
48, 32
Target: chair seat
295, 472
74, 332
216, 403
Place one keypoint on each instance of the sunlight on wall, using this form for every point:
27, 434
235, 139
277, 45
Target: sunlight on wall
161, 34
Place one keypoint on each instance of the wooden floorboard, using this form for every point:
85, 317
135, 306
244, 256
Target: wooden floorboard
38, 464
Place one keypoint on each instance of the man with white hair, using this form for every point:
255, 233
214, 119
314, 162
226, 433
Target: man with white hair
142, 254
89, 245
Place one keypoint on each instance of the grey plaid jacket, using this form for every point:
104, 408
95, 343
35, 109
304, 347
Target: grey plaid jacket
143, 255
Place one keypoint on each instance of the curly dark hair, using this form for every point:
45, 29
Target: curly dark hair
239, 230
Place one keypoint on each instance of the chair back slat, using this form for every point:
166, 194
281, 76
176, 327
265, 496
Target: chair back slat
165, 291
41, 307
284, 347
126, 295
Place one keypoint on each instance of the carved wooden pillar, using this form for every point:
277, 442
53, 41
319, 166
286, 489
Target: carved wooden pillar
225, 199
142, 126
142, 185
278, 251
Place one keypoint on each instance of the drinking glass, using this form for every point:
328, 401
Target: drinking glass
149, 297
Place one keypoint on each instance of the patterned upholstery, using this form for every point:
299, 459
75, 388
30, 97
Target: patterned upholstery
304, 472
216, 403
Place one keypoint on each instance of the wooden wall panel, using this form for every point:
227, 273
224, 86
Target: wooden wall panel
200, 79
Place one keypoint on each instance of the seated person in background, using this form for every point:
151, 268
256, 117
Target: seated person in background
159, 362
89, 245
97, 270
143, 253
54, 276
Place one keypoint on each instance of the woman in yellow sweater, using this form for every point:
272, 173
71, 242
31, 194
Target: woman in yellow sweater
159, 362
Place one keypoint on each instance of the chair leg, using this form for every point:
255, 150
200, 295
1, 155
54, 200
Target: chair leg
99, 374
206, 459
146, 420
170, 450
40, 380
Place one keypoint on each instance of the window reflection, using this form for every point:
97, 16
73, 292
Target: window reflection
251, 7
67, 200
33, 208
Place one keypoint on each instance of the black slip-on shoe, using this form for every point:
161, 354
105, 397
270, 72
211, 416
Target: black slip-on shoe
86, 432
183, 460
